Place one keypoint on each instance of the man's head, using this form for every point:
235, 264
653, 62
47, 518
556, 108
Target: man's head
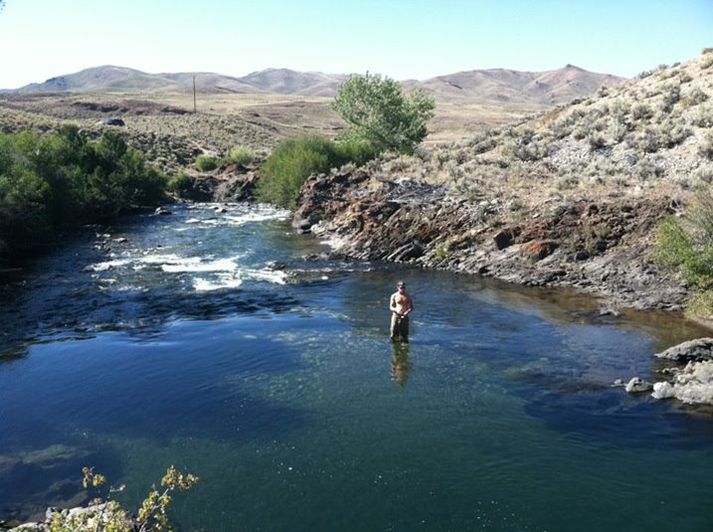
401, 286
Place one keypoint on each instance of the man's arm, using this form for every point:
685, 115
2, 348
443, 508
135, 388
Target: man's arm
409, 306
392, 303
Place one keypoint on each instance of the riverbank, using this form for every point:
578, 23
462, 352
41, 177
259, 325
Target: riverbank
600, 244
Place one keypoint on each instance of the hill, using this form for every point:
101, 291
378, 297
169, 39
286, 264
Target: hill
501, 86
106, 78
286, 81
497, 86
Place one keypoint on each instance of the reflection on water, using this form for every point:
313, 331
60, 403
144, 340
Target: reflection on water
400, 364
203, 339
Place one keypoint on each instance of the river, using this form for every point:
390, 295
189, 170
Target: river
204, 339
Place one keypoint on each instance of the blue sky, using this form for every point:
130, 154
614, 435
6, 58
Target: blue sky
400, 38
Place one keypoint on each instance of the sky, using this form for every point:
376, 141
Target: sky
404, 39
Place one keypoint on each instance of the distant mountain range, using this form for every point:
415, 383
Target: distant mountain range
496, 86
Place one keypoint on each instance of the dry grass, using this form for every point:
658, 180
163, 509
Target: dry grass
161, 124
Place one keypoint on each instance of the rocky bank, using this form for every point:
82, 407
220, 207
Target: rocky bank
599, 244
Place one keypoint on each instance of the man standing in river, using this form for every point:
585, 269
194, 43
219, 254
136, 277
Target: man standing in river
401, 306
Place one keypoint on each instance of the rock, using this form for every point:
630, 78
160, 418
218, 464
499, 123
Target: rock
405, 253
609, 312
112, 122
161, 211
539, 249
699, 349
30, 527
662, 390
618, 383
692, 384
301, 225
54, 456
504, 239
637, 385
120, 240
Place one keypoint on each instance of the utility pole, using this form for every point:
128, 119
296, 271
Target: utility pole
194, 94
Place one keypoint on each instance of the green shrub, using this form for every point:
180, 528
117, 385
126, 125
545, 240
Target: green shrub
206, 163
108, 515
687, 244
294, 160
179, 183
701, 305
241, 155
52, 181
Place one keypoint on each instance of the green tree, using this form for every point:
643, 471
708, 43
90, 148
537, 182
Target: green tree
381, 114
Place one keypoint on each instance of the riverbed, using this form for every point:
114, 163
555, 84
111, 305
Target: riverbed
205, 339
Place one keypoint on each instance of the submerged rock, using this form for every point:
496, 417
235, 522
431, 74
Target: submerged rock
699, 349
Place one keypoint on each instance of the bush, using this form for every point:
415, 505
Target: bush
707, 61
242, 155
704, 118
179, 183
705, 174
294, 160
642, 112
687, 244
671, 95
705, 149
105, 514
48, 182
381, 115
597, 140
695, 97
206, 163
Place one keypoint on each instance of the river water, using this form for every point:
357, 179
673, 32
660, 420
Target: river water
203, 339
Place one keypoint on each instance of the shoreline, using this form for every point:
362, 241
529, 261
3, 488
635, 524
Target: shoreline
601, 246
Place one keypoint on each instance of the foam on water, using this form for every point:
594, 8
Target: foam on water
222, 282
108, 265
197, 264
218, 215
268, 275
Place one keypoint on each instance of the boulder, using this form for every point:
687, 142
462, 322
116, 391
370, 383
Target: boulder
301, 225
504, 238
638, 385
692, 384
538, 249
663, 390
698, 350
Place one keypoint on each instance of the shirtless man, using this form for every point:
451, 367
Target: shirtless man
401, 306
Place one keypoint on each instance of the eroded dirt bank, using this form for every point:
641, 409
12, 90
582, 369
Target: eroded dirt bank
602, 245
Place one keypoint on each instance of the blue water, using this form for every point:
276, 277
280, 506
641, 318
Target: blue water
205, 340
